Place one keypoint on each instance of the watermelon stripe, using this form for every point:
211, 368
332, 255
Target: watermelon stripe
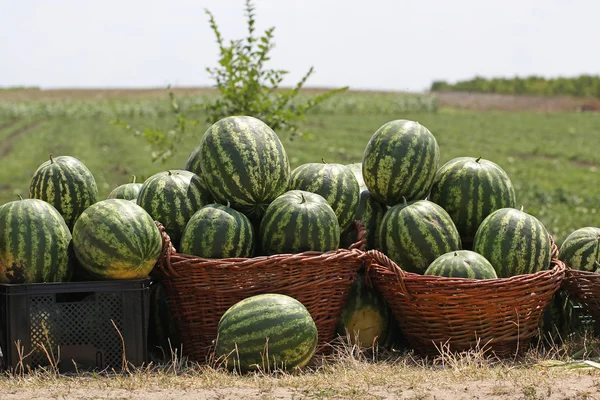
462, 264
581, 249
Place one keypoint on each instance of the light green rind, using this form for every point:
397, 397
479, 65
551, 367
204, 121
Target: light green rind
67, 184
172, 197
400, 161
335, 182
470, 189
514, 242
581, 249
34, 243
127, 191
356, 169
371, 213
299, 221
268, 326
416, 233
244, 163
117, 239
462, 264
217, 231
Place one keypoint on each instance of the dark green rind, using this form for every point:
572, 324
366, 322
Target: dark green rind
217, 231
245, 328
356, 169
244, 163
299, 221
400, 161
414, 234
335, 182
371, 213
162, 329
34, 243
172, 197
581, 249
462, 264
128, 191
67, 184
514, 242
365, 308
469, 190
117, 239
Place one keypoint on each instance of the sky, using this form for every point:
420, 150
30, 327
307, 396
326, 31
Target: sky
376, 44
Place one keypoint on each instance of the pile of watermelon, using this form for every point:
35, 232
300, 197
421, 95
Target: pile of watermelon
236, 196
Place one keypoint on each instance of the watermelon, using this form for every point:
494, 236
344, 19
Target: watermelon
267, 331
356, 169
462, 264
470, 189
335, 182
34, 243
127, 191
67, 184
581, 249
117, 239
217, 231
172, 197
299, 221
514, 242
365, 316
370, 213
163, 335
244, 163
415, 233
400, 161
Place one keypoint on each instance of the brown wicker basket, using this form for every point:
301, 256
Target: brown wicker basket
200, 290
497, 316
583, 287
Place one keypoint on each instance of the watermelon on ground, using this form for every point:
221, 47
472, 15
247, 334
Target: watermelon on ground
266, 332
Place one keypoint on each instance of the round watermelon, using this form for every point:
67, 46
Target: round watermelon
370, 213
581, 249
34, 243
117, 239
514, 242
266, 332
470, 189
299, 221
127, 191
462, 264
244, 164
400, 162
218, 231
415, 233
67, 184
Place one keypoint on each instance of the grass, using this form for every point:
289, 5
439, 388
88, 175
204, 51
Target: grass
551, 158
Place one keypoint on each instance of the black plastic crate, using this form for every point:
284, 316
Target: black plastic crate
73, 322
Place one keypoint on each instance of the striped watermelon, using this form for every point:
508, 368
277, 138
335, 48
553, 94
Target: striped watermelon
67, 184
400, 161
244, 163
335, 182
371, 213
172, 197
267, 332
462, 264
162, 329
365, 316
414, 234
116, 239
217, 231
34, 243
127, 191
581, 249
514, 242
470, 189
299, 221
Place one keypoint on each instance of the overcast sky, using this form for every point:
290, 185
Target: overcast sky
375, 44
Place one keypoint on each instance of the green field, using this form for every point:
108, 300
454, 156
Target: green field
552, 158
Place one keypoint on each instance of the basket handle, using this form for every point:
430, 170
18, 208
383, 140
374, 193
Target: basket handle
164, 262
361, 235
385, 261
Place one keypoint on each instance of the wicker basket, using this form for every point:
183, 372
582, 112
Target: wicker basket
496, 316
583, 287
200, 290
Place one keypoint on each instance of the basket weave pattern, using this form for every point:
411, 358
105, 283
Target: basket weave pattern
200, 290
583, 287
494, 315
